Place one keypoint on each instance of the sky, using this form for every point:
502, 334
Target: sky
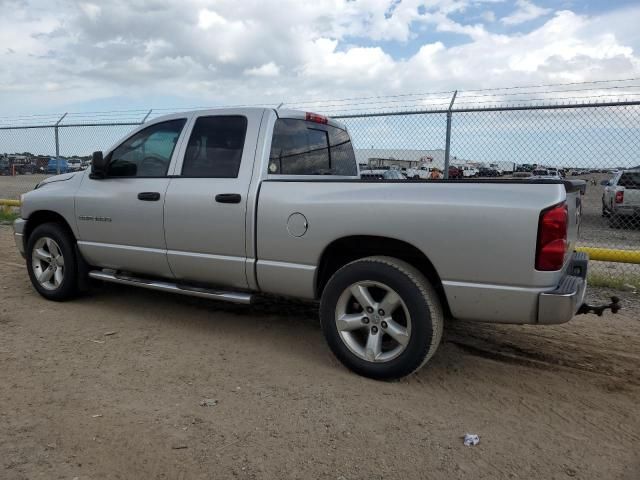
80, 56
330, 56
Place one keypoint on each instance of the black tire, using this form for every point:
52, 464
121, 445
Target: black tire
68, 287
421, 301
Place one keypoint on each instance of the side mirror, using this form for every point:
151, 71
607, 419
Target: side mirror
605, 183
98, 165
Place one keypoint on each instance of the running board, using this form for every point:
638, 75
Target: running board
234, 297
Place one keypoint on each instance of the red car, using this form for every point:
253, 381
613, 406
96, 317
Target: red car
455, 172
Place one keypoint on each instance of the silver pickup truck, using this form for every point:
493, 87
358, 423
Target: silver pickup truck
621, 198
224, 204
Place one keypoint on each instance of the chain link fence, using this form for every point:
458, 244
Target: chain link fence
596, 142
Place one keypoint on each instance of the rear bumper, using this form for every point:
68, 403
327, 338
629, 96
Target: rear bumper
18, 234
561, 304
626, 210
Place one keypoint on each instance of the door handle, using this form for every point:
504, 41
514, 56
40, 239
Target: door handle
149, 196
228, 198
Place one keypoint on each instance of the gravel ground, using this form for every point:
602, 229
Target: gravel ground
13, 187
109, 386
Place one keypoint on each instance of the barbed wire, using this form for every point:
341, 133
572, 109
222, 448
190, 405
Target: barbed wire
422, 100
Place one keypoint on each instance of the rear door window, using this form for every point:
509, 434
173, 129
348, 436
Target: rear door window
215, 147
300, 147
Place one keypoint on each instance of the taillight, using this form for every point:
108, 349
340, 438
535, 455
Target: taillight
620, 196
552, 238
314, 117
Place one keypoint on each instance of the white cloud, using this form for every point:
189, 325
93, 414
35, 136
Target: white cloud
267, 70
91, 10
254, 51
209, 18
525, 12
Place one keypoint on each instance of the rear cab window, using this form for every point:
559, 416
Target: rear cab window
301, 147
630, 180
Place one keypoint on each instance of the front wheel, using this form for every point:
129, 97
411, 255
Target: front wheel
52, 263
381, 317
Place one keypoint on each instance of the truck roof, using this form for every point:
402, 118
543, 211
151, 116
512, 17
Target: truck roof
281, 113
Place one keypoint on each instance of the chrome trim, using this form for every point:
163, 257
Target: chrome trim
122, 247
554, 308
208, 256
491, 286
19, 239
562, 303
234, 297
18, 234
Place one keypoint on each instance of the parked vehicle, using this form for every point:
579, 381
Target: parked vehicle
455, 172
382, 173
74, 164
546, 174
487, 172
522, 174
621, 198
26, 169
224, 204
497, 169
421, 173
5, 166
525, 167
393, 175
372, 174
56, 165
467, 170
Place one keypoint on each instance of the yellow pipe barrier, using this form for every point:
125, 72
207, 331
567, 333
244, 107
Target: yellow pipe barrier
9, 203
611, 255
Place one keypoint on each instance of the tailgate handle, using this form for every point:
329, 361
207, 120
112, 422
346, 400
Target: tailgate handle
149, 196
228, 198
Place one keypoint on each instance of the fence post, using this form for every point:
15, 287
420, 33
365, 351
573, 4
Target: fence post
447, 146
55, 130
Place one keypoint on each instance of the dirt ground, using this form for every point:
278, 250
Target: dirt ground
110, 386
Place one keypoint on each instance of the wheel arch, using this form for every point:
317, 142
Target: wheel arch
347, 249
40, 217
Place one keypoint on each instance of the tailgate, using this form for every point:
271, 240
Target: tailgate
631, 197
575, 190
629, 184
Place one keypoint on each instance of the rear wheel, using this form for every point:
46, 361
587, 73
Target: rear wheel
381, 317
51, 262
